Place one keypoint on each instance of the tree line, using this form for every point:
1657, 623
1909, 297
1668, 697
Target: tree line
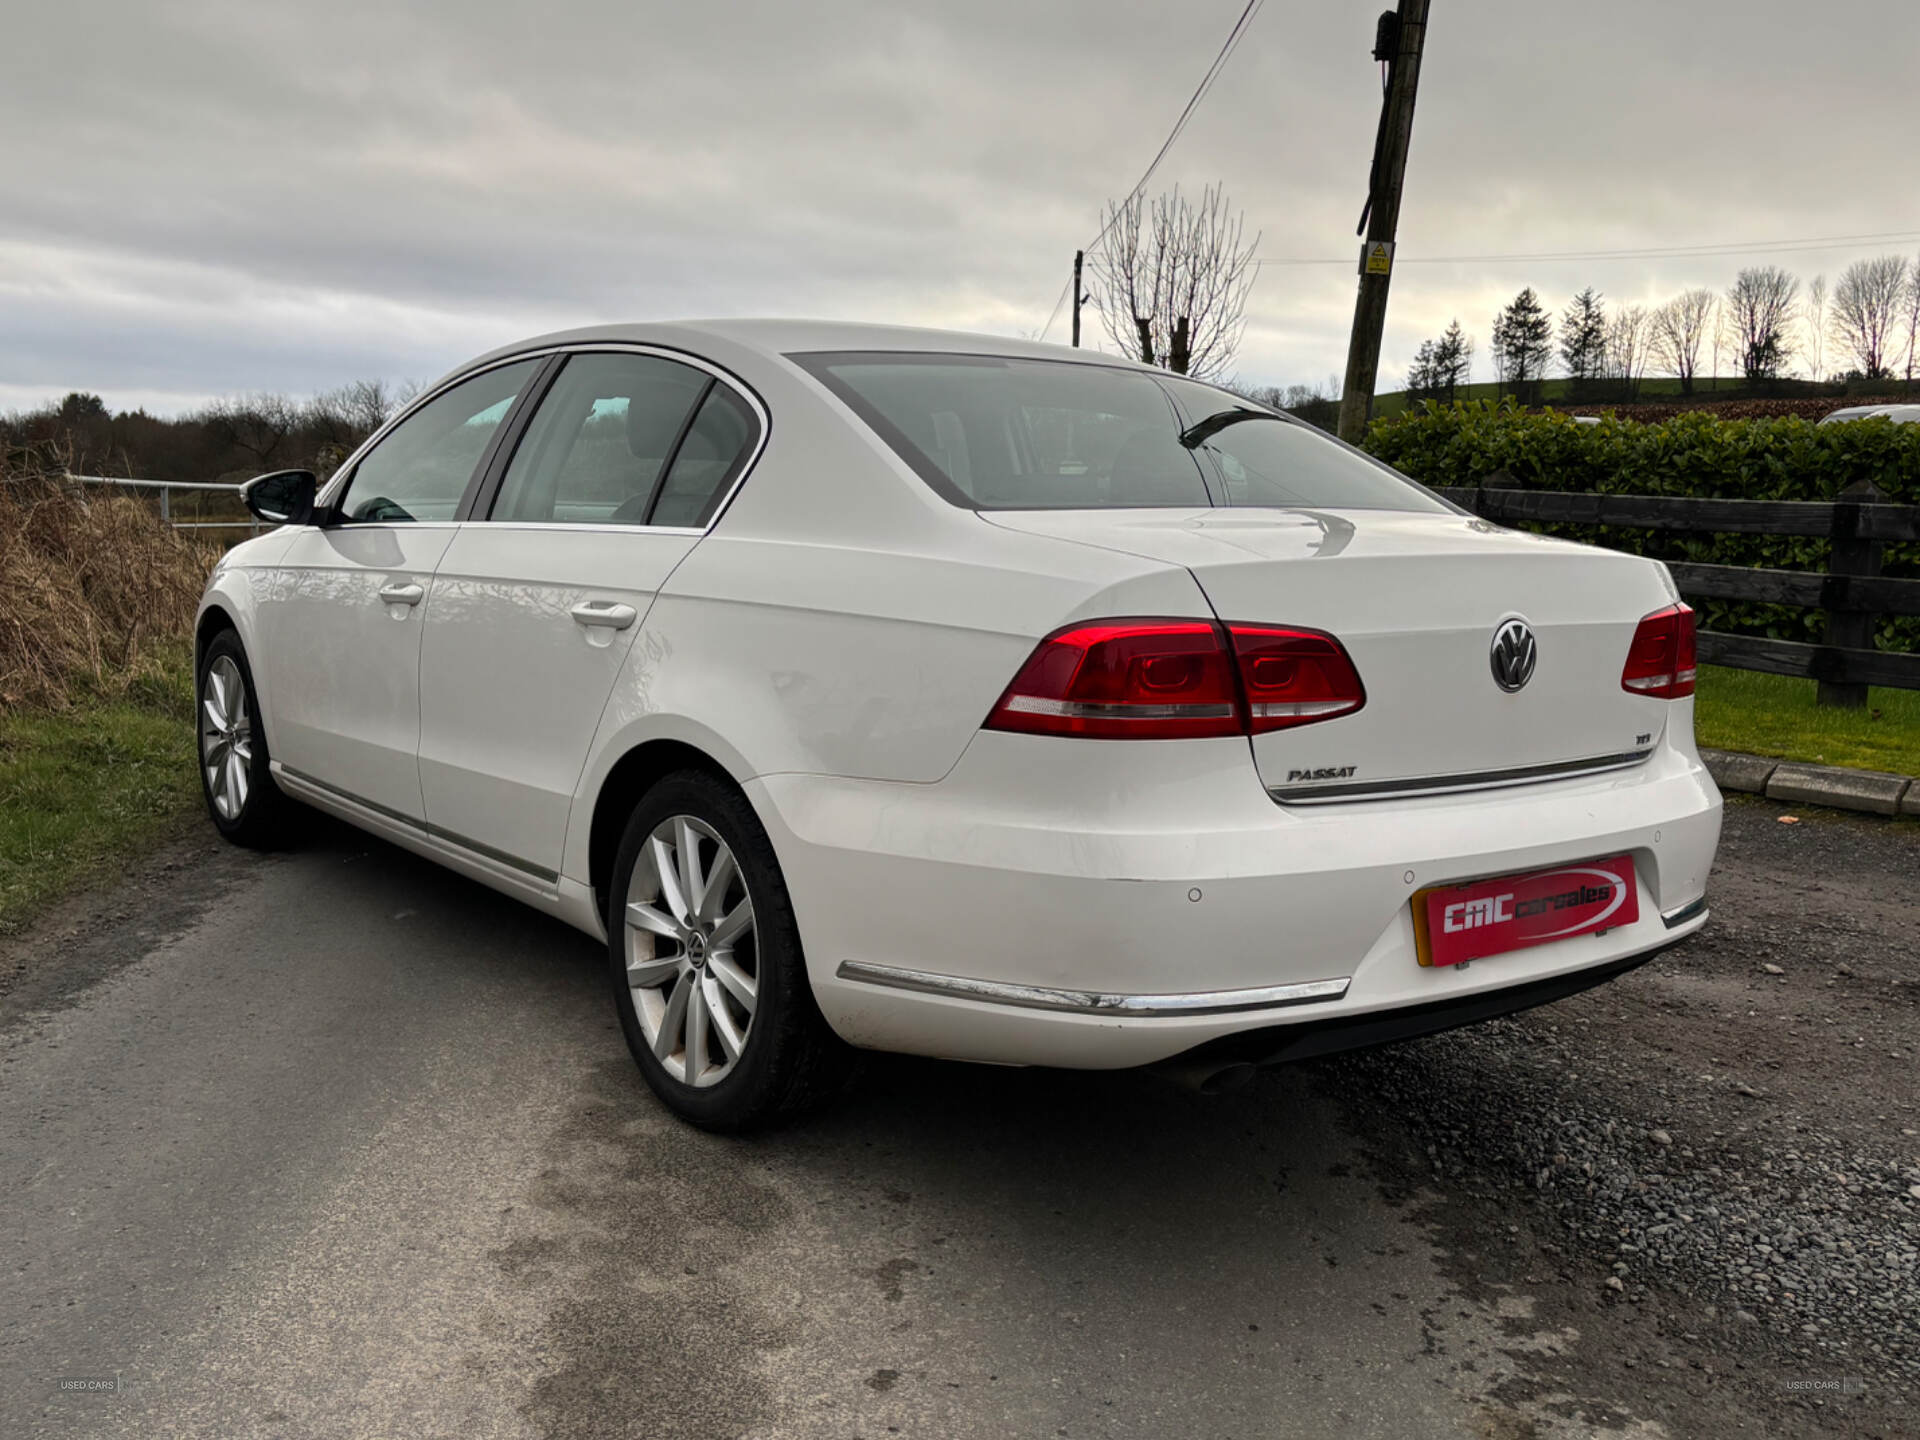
222, 442
1763, 324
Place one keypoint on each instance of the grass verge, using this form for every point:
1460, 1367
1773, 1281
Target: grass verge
84, 788
1776, 715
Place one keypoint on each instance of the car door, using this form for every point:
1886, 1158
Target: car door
340, 627
611, 481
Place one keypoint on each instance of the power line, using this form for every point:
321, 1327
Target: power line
1054, 314
1199, 93
1186, 114
1658, 252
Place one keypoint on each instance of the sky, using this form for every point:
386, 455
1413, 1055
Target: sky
204, 198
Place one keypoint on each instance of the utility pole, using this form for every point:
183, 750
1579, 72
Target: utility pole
1400, 39
1079, 257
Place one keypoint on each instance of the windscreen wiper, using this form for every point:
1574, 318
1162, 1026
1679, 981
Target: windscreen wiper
1196, 435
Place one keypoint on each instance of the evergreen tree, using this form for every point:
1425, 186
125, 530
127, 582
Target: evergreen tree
1522, 344
1583, 338
1423, 376
1453, 360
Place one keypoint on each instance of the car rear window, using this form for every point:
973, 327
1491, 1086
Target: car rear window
994, 433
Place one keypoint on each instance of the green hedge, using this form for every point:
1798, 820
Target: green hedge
1480, 442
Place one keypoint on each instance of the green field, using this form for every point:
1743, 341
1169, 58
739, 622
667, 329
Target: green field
1652, 388
1776, 715
85, 788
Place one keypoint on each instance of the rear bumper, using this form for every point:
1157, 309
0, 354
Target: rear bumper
1329, 1035
1028, 910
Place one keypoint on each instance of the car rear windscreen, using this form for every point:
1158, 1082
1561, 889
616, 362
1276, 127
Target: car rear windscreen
994, 433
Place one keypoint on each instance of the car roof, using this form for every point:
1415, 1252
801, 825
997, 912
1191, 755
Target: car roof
778, 338
1903, 414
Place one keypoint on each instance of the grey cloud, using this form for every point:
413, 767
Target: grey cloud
215, 196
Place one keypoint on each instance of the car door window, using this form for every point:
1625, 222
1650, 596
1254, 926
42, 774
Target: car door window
597, 446
716, 446
421, 467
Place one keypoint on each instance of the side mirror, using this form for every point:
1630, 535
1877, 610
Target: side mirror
283, 497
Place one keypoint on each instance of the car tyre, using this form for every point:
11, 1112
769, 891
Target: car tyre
235, 776
709, 978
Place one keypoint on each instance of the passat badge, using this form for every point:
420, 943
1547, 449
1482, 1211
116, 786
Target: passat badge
1514, 654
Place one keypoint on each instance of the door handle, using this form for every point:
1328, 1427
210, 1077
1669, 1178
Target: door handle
607, 614
405, 593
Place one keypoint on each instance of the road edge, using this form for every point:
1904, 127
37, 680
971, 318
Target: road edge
1871, 792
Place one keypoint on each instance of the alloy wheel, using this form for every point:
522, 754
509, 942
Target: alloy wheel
692, 961
226, 737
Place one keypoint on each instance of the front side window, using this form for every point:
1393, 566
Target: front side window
421, 467
622, 440
996, 433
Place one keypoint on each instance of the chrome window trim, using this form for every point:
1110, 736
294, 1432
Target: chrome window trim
579, 347
1418, 787
596, 526
1092, 1002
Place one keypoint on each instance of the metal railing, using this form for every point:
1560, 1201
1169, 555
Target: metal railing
166, 489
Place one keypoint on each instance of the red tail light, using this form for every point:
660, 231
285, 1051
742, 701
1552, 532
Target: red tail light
1661, 661
1177, 679
1294, 677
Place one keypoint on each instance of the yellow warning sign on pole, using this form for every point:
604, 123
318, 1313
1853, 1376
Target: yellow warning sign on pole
1376, 257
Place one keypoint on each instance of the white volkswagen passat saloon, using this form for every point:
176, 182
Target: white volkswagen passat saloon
883, 688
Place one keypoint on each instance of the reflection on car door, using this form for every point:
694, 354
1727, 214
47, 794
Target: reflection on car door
535, 606
340, 626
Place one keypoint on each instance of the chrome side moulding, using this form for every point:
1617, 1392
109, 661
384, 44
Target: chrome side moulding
1091, 1002
1454, 784
438, 832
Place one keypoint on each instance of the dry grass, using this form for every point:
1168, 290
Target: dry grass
92, 586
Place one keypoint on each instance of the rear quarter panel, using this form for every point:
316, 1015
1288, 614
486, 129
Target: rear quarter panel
841, 619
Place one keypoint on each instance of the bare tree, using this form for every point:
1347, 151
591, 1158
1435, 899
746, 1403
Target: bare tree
1677, 330
256, 425
1912, 317
1761, 306
1628, 334
1867, 306
1720, 336
1171, 280
1816, 317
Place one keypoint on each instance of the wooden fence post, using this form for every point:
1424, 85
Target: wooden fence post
1847, 625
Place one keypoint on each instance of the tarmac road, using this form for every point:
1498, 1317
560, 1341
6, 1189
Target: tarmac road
333, 1143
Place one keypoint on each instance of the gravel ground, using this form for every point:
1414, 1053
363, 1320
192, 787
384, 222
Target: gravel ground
1714, 1160
292, 1140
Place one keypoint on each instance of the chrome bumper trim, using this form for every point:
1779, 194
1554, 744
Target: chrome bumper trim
1674, 919
1454, 784
1092, 1002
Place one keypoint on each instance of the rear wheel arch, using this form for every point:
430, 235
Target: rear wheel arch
635, 773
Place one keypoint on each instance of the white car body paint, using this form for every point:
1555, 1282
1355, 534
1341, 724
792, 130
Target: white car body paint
834, 640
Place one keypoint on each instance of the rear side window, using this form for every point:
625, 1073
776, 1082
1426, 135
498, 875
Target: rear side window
1009, 434
997, 433
711, 454
1285, 465
598, 445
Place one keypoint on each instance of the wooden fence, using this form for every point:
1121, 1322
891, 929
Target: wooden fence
1851, 591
